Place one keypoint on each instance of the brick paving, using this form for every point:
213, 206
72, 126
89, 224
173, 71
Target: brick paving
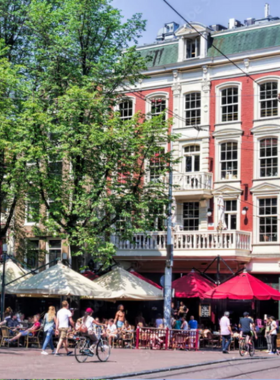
22, 363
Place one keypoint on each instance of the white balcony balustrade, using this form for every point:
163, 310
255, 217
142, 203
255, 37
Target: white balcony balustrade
192, 181
186, 240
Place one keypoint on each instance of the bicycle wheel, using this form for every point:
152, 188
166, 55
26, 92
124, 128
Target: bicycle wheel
81, 346
252, 349
103, 350
242, 348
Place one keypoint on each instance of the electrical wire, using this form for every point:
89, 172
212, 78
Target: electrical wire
215, 47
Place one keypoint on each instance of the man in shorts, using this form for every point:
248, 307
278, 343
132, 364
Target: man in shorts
120, 317
64, 317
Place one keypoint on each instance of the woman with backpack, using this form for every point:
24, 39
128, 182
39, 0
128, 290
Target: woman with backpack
49, 323
85, 326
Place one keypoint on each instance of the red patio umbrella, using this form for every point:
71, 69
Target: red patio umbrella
90, 275
145, 279
244, 287
192, 285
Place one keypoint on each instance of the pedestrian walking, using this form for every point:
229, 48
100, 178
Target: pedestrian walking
49, 323
273, 334
120, 317
64, 317
267, 334
225, 332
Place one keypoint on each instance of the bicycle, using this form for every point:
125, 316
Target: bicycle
82, 351
246, 347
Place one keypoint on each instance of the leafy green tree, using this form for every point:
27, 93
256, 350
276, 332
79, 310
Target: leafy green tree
13, 146
87, 166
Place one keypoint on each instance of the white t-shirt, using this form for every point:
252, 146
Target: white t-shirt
273, 326
185, 326
63, 316
112, 328
224, 325
89, 323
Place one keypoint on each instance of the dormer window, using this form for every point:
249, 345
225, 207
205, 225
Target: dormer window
193, 48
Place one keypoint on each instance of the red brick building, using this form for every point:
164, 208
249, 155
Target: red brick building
228, 117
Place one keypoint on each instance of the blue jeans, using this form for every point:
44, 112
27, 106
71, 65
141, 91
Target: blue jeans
226, 339
48, 340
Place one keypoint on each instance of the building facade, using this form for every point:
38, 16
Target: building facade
221, 87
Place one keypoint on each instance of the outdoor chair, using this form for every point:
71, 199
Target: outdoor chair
6, 333
179, 340
144, 339
34, 339
117, 341
128, 339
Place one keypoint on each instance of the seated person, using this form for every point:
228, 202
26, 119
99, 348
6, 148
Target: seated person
13, 322
112, 331
126, 327
7, 316
29, 332
155, 339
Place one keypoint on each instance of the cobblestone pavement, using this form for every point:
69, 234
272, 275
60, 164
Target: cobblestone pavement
22, 363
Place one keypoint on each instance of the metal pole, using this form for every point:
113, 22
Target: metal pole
218, 270
169, 254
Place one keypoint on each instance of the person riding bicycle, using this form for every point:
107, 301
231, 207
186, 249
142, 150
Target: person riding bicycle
86, 327
246, 329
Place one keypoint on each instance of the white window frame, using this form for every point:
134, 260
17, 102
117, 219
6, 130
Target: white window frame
192, 109
218, 90
260, 216
26, 242
220, 161
199, 216
49, 249
257, 109
233, 213
155, 95
267, 157
148, 163
197, 45
127, 98
191, 154
26, 223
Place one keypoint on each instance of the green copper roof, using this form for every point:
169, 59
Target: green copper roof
231, 43
161, 55
246, 40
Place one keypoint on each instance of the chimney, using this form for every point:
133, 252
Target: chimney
231, 24
267, 10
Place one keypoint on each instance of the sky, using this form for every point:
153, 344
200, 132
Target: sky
207, 12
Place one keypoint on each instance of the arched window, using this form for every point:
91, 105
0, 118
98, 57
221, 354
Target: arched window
126, 109
269, 157
192, 158
269, 99
229, 160
193, 108
229, 104
158, 105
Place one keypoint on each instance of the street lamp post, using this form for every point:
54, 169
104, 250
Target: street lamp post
169, 254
